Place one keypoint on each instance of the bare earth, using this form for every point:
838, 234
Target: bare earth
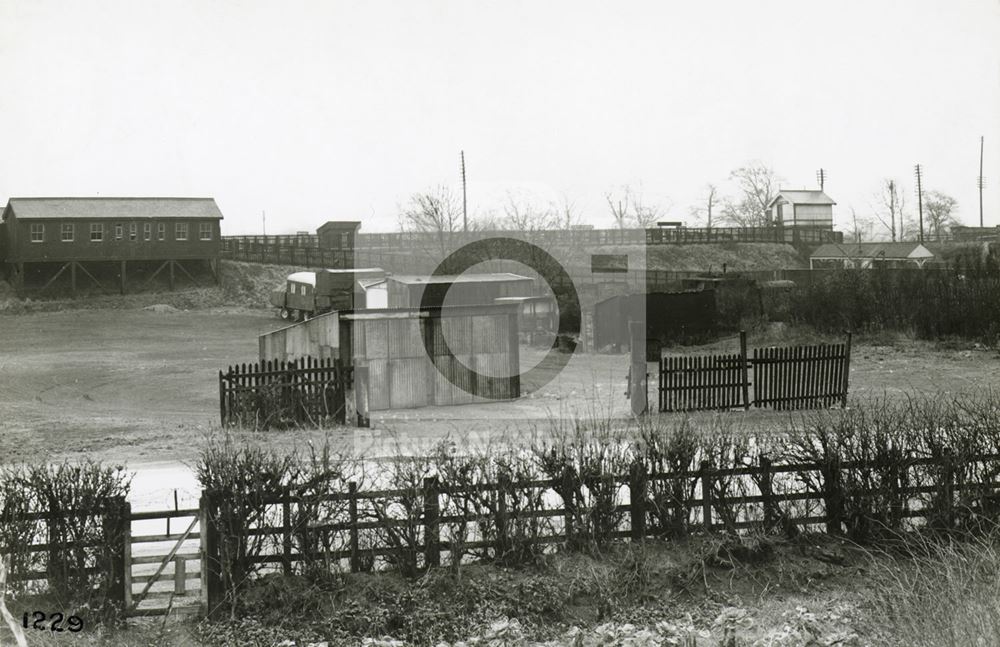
138, 386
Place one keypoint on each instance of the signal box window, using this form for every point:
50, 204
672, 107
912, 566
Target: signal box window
132, 231
96, 232
67, 232
37, 232
205, 231
181, 231
161, 231
147, 231
119, 231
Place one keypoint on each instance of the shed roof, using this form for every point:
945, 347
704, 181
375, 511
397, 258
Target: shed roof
499, 277
121, 208
872, 250
309, 277
803, 196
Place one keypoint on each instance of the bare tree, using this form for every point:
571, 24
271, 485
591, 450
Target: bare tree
861, 228
568, 216
757, 185
630, 208
889, 213
939, 212
619, 207
437, 212
521, 213
704, 214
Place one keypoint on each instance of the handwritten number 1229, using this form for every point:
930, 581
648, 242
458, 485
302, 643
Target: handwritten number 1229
73, 623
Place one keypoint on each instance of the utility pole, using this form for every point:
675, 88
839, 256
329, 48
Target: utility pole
465, 214
263, 222
979, 182
821, 177
920, 202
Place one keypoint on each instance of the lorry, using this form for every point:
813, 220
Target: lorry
309, 293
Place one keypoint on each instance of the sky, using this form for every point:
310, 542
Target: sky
331, 110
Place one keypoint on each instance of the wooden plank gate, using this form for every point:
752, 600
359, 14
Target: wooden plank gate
159, 563
272, 394
785, 378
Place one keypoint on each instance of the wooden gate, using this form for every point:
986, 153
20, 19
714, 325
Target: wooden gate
795, 377
801, 377
158, 563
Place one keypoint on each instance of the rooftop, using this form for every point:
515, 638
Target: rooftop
500, 277
801, 196
872, 250
114, 208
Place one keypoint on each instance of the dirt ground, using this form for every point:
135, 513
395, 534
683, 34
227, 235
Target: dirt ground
141, 386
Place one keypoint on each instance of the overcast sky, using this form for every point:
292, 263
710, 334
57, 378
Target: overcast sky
341, 110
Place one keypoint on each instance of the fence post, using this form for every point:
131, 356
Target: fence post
833, 496
706, 495
212, 593
180, 575
352, 505
637, 387
948, 487
116, 524
568, 493
637, 500
847, 370
286, 533
744, 378
767, 493
222, 399
432, 511
503, 485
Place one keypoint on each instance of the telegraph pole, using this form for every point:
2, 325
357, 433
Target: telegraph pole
979, 182
263, 223
821, 177
920, 202
465, 215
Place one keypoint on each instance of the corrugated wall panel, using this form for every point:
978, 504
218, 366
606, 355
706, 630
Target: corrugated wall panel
408, 382
378, 385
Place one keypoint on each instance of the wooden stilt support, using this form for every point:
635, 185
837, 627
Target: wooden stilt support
172, 282
54, 277
186, 273
92, 278
154, 274
72, 276
122, 276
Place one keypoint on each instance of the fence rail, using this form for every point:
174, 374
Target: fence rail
279, 394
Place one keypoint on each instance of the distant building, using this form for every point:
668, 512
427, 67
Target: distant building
864, 255
48, 238
975, 234
801, 208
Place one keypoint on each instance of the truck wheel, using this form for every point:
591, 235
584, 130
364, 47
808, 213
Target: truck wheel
285, 314
299, 315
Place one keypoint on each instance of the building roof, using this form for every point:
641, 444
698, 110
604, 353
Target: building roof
113, 208
800, 197
872, 250
500, 277
370, 283
309, 277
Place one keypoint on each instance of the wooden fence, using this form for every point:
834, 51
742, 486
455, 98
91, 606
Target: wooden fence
416, 528
794, 377
801, 377
349, 528
280, 394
